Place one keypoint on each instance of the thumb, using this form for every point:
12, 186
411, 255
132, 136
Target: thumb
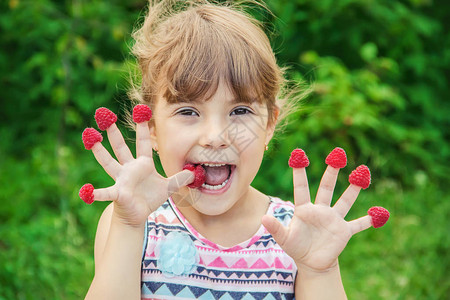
179, 180
275, 228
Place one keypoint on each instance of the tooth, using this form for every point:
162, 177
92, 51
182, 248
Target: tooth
214, 187
214, 165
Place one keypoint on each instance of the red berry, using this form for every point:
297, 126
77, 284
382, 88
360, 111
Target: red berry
87, 193
200, 175
91, 136
189, 167
141, 113
379, 216
298, 159
360, 177
337, 158
104, 118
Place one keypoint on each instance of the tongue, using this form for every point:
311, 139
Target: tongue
216, 175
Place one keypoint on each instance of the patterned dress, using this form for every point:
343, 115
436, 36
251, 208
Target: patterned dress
179, 263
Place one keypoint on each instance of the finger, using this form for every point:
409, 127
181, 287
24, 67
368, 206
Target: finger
326, 187
141, 115
275, 228
106, 194
118, 144
360, 224
104, 158
88, 194
179, 180
347, 199
298, 162
301, 188
379, 216
143, 143
106, 120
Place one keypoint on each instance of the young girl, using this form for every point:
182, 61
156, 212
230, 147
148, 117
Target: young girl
211, 80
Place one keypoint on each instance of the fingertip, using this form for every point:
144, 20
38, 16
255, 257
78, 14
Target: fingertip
275, 228
265, 221
90, 137
199, 175
265, 218
179, 180
189, 176
141, 113
86, 193
268, 222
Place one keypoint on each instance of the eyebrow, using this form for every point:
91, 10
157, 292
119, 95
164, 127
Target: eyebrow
233, 100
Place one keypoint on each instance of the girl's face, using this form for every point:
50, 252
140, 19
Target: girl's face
225, 136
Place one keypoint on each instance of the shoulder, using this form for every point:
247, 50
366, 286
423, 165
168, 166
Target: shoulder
282, 210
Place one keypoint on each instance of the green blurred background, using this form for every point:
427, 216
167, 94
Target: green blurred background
379, 73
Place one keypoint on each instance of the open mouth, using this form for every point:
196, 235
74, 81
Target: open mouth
217, 175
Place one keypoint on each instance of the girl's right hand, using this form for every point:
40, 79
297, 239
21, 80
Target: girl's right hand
139, 189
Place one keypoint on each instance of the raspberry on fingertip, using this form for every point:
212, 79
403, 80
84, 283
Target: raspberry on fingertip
104, 118
298, 159
200, 175
90, 137
141, 113
360, 177
87, 193
337, 158
379, 216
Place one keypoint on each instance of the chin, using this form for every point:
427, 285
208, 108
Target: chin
212, 207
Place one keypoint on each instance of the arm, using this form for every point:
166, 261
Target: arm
138, 191
318, 233
118, 253
316, 285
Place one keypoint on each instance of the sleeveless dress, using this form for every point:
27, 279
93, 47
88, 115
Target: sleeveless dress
179, 263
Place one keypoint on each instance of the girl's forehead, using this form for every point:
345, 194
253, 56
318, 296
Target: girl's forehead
219, 89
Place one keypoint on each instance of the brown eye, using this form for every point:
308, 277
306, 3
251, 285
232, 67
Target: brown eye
241, 111
187, 112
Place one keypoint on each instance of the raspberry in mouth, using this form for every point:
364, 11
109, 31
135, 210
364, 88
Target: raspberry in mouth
210, 176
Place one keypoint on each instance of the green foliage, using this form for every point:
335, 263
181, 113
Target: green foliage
379, 73
407, 258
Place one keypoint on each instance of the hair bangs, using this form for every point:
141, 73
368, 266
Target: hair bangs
212, 53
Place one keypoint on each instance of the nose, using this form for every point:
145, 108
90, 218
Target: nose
215, 135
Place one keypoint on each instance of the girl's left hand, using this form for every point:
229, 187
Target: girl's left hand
317, 233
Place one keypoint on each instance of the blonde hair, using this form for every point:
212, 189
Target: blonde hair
184, 49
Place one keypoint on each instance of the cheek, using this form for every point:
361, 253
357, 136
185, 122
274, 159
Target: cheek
174, 145
252, 148
169, 135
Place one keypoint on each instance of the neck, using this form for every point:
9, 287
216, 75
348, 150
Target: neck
236, 225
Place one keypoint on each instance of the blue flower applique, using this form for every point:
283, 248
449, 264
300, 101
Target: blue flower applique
177, 255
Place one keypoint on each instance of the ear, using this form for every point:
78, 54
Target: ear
271, 125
